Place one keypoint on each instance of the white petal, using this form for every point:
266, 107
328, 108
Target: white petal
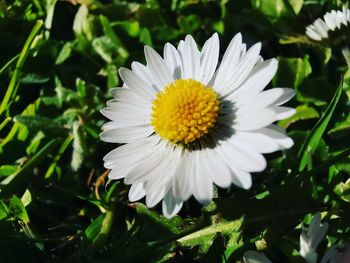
311, 33
145, 74
229, 60
209, 59
136, 192
173, 60
182, 187
158, 68
342, 17
203, 185
170, 205
282, 112
154, 197
214, 167
241, 178
143, 171
321, 27
126, 134
135, 83
336, 19
164, 173
275, 96
126, 114
328, 18
126, 95
190, 59
250, 119
257, 141
257, 80
241, 72
243, 158
131, 152
150, 166
278, 134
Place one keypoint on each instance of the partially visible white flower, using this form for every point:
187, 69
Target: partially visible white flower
310, 239
331, 21
255, 257
337, 254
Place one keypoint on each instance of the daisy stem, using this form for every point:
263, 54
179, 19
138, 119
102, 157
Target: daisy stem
346, 53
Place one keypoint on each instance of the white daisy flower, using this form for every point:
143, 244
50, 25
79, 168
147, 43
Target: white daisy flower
331, 21
310, 239
187, 123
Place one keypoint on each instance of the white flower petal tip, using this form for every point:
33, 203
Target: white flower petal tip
333, 20
255, 257
172, 151
310, 239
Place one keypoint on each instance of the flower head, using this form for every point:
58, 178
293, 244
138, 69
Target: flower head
332, 21
187, 123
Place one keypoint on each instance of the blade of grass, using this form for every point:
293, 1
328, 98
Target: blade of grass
328, 163
22, 57
3, 124
9, 63
22, 176
311, 142
61, 150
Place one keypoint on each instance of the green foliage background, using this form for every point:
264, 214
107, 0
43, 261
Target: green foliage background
58, 60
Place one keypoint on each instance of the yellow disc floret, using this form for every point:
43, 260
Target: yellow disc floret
185, 111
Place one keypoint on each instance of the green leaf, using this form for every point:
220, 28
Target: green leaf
273, 9
35, 143
132, 28
112, 36
4, 210
145, 37
81, 87
39, 123
216, 251
303, 112
189, 24
291, 71
204, 237
296, 5
343, 190
105, 48
26, 198
6, 170
33, 78
340, 130
312, 140
64, 53
98, 231
18, 210
112, 76
310, 92
171, 225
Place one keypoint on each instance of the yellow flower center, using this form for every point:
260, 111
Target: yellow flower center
185, 111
